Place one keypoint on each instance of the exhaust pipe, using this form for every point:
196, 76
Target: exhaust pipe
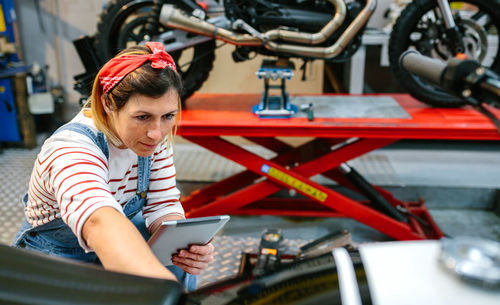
316, 38
175, 18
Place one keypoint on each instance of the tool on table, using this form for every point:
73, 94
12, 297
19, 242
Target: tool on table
269, 256
308, 108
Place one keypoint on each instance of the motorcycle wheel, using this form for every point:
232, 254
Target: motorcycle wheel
123, 24
418, 28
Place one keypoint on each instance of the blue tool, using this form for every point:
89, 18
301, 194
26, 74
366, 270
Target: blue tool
275, 106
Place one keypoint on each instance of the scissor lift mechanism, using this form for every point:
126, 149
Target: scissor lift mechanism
248, 192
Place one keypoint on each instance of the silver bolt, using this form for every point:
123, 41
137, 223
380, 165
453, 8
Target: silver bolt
480, 71
466, 93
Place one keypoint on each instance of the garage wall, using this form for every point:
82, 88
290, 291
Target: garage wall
46, 36
230, 77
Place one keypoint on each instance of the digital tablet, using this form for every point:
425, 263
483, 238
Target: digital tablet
174, 235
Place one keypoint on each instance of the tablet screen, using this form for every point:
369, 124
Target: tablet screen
174, 235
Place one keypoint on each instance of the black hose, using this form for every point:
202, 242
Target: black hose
371, 193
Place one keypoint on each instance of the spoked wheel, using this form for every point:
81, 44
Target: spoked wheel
420, 27
123, 24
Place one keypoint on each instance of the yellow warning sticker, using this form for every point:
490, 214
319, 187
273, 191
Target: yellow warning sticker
268, 251
457, 5
2, 20
294, 183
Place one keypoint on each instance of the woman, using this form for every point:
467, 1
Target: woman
107, 176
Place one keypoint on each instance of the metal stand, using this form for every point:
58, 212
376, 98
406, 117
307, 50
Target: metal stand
275, 106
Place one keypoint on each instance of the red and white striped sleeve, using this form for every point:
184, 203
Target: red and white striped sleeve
76, 171
163, 195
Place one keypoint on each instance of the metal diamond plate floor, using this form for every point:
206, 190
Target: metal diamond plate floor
15, 172
478, 170
228, 250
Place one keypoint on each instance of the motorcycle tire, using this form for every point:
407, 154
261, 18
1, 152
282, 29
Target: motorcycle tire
122, 24
411, 23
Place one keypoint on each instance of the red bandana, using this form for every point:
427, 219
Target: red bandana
117, 68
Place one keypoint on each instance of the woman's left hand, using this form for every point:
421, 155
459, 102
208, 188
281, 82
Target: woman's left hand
195, 259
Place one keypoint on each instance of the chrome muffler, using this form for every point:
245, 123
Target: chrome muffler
175, 18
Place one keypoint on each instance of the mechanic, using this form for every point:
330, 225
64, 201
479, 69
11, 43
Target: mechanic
106, 180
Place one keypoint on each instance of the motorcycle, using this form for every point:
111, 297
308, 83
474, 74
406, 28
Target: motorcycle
329, 30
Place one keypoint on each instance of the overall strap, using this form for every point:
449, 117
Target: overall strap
135, 205
143, 172
99, 139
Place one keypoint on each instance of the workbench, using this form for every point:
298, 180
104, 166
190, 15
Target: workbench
207, 118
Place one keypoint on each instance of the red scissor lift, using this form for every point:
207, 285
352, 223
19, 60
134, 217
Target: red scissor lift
209, 117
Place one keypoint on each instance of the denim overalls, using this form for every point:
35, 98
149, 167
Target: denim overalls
56, 238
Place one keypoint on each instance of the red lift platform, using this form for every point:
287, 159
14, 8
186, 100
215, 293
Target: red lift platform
208, 117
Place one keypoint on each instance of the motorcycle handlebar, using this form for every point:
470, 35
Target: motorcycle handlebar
429, 68
463, 78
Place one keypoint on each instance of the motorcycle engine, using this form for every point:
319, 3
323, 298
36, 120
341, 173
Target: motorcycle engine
301, 15
295, 15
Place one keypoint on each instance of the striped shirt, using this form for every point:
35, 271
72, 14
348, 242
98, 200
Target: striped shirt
72, 178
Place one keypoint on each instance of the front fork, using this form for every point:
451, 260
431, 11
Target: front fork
454, 37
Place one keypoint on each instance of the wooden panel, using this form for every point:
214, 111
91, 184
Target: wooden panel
24, 117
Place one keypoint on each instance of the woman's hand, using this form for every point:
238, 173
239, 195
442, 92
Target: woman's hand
195, 259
